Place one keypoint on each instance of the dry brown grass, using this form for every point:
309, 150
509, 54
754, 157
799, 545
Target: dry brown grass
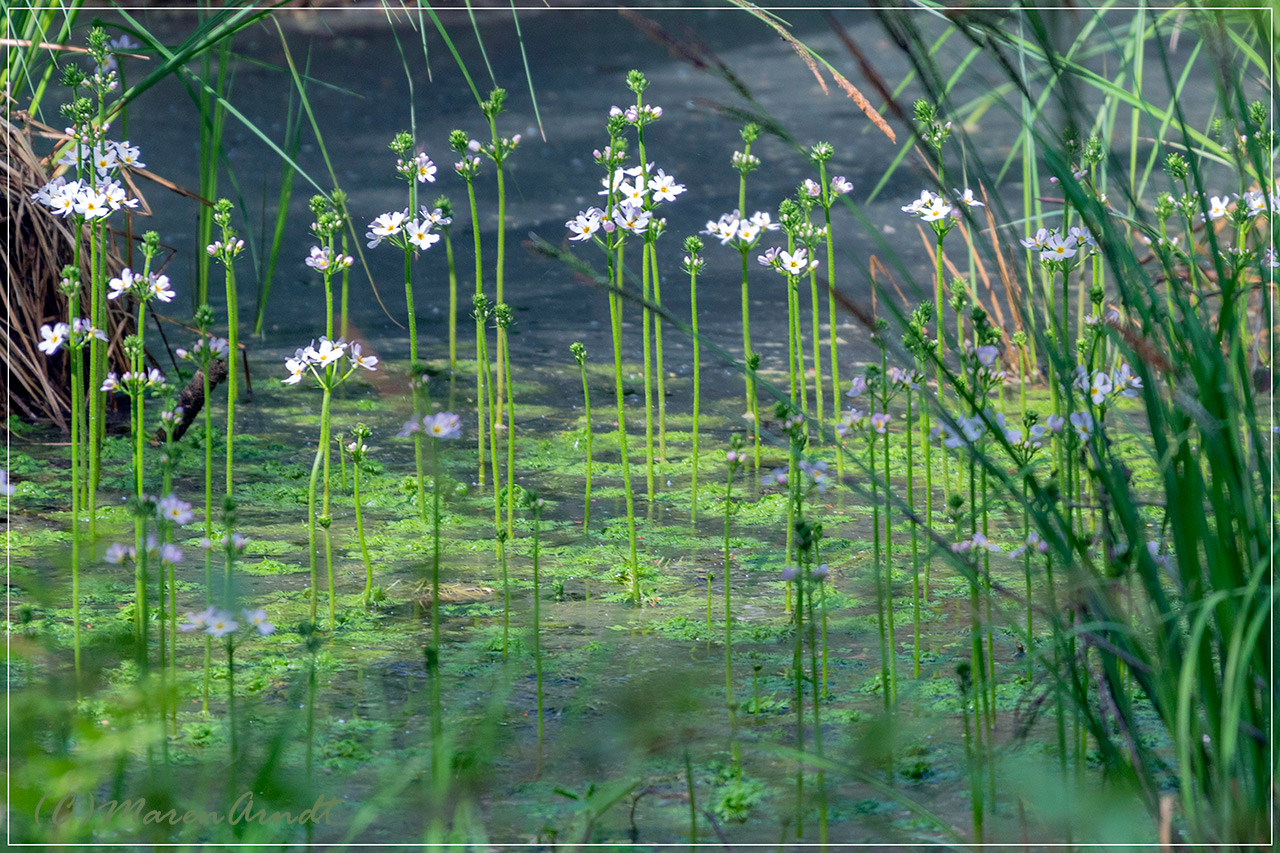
37, 246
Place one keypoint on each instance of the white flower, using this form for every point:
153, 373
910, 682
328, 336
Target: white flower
1037, 243
1255, 202
937, 208
435, 216
1082, 423
328, 353
419, 234
914, 207
634, 191
586, 223
1056, 249
966, 198
92, 205
665, 187
296, 368
160, 289
812, 188
797, 263
122, 284
104, 158
1082, 237
111, 383
318, 259
1127, 382
724, 228
128, 154
53, 337
424, 169
631, 217
368, 362
386, 225
84, 326
840, 186
762, 220
748, 232
61, 199
116, 197
1100, 387
1218, 207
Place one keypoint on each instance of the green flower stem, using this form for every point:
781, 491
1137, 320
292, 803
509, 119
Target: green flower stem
659, 366
615, 314
645, 323
941, 354
927, 445
418, 462
208, 514
915, 543
321, 447
752, 403
453, 303
511, 436
480, 335
233, 356
816, 331
877, 570
697, 391
324, 511
500, 532
77, 412
98, 352
817, 719
728, 626
498, 275
586, 403
888, 534
364, 548
797, 666
346, 289
831, 306
435, 555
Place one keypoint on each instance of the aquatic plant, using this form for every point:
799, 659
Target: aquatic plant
325, 364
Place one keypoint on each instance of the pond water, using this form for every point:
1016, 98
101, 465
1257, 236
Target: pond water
633, 696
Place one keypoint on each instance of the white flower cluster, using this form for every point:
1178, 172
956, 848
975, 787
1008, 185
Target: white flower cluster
327, 353
53, 338
144, 287
743, 233
397, 228
1053, 246
92, 198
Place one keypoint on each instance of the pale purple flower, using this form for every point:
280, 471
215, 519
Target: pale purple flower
220, 623
1082, 423
258, 619
6, 488
117, 553
443, 425
175, 511
199, 621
